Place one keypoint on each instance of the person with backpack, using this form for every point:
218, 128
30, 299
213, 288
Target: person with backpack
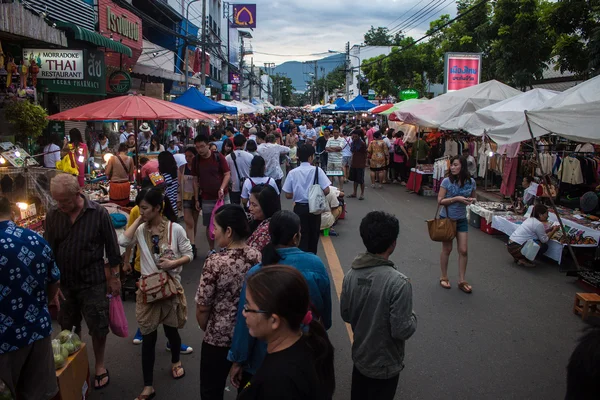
212, 176
257, 177
239, 164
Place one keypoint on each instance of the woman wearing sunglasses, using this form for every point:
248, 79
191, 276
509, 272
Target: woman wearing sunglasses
218, 296
164, 247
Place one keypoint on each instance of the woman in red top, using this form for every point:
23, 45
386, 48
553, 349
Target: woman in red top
262, 204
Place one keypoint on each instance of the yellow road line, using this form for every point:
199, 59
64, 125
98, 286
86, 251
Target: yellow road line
336, 273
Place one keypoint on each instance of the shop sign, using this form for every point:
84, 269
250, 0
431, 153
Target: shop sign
57, 63
92, 81
227, 87
407, 94
122, 26
244, 16
177, 88
208, 92
461, 70
234, 78
119, 82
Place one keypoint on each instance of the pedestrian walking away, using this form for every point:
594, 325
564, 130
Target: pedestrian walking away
457, 191
358, 163
218, 297
239, 164
26, 360
80, 233
380, 312
296, 187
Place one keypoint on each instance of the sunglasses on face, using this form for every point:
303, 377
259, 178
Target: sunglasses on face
155, 239
250, 310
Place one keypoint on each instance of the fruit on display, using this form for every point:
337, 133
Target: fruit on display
60, 354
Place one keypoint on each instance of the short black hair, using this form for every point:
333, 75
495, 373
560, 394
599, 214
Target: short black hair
201, 139
261, 135
251, 146
144, 160
379, 230
270, 138
305, 151
239, 140
230, 129
583, 374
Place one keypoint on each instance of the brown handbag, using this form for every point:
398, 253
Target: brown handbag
158, 286
441, 229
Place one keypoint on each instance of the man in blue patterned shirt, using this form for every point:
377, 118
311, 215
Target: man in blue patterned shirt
28, 278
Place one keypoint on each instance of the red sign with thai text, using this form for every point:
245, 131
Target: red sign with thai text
122, 25
462, 71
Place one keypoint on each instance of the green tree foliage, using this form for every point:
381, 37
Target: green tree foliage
283, 90
28, 119
336, 79
575, 28
378, 37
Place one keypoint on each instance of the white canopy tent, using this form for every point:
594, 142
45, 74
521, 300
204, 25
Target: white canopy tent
507, 113
435, 112
573, 114
243, 108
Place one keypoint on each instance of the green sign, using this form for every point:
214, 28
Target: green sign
93, 82
119, 82
407, 94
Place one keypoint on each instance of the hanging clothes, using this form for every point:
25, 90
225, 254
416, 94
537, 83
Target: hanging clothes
570, 171
509, 177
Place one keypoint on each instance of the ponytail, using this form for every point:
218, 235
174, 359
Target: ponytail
318, 340
270, 256
283, 226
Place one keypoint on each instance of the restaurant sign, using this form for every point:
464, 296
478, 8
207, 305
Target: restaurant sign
92, 81
57, 63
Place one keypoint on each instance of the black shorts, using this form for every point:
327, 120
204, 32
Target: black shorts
357, 175
90, 302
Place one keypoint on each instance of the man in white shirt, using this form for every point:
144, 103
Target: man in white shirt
144, 138
271, 151
239, 164
296, 187
346, 156
125, 134
51, 152
328, 218
310, 134
334, 160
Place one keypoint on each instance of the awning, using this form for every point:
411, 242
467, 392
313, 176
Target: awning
93, 37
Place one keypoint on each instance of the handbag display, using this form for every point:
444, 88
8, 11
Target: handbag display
317, 203
441, 229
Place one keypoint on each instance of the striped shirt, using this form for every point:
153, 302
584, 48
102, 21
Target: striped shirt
79, 247
171, 190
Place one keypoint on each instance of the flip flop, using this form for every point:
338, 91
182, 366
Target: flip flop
175, 370
463, 286
99, 378
445, 280
361, 198
352, 196
146, 396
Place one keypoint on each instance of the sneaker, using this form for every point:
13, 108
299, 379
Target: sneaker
332, 232
137, 339
185, 349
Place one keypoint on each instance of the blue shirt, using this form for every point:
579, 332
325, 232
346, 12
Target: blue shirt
26, 267
457, 210
251, 352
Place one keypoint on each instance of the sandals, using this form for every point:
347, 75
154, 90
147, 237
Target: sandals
361, 198
99, 378
175, 372
146, 396
445, 283
352, 196
465, 287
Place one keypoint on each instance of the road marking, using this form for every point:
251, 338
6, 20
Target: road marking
337, 273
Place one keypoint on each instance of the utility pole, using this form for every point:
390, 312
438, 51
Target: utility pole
348, 71
202, 59
325, 94
251, 79
315, 85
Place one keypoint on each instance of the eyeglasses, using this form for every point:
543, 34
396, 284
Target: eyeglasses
250, 310
155, 239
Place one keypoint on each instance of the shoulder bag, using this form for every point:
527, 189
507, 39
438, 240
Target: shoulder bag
317, 203
157, 286
240, 178
441, 229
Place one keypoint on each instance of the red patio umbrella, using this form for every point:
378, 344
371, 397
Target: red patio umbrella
129, 107
381, 108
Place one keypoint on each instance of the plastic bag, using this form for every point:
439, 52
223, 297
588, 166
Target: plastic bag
530, 250
117, 318
60, 354
69, 340
317, 202
211, 225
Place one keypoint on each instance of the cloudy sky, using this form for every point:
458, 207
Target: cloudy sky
298, 29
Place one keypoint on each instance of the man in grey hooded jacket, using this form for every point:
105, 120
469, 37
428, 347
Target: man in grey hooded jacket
377, 302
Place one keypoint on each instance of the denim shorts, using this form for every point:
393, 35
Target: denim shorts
462, 225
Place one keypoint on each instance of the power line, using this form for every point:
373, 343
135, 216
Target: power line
395, 28
290, 55
403, 14
419, 15
433, 12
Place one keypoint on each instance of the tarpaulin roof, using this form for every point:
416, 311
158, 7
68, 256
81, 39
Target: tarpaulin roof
401, 105
435, 112
340, 101
358, 103
506, 113
194, 99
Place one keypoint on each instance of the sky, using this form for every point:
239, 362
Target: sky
305, 30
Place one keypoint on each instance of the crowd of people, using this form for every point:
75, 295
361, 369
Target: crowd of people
264, 297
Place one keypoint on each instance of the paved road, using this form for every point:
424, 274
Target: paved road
510, 339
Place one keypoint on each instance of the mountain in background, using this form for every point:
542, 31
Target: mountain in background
298, 71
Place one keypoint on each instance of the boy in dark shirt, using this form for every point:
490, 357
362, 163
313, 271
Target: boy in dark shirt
321, 144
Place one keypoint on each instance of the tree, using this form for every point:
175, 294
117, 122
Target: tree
378, 37
28, 119
575, 25
521, 49
335, 79
282, 89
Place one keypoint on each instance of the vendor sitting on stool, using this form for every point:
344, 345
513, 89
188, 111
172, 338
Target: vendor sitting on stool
531, 229
335, 206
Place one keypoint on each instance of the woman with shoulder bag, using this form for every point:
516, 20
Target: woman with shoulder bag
164, 249
457, 191
119, 170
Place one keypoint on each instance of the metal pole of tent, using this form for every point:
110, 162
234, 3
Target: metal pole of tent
539, 161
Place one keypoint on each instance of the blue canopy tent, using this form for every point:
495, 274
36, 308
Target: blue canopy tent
196, 100
340, 101
358, 103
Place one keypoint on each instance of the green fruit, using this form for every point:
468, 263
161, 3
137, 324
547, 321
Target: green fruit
59, 361
63, 336
70, 347
64, 352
